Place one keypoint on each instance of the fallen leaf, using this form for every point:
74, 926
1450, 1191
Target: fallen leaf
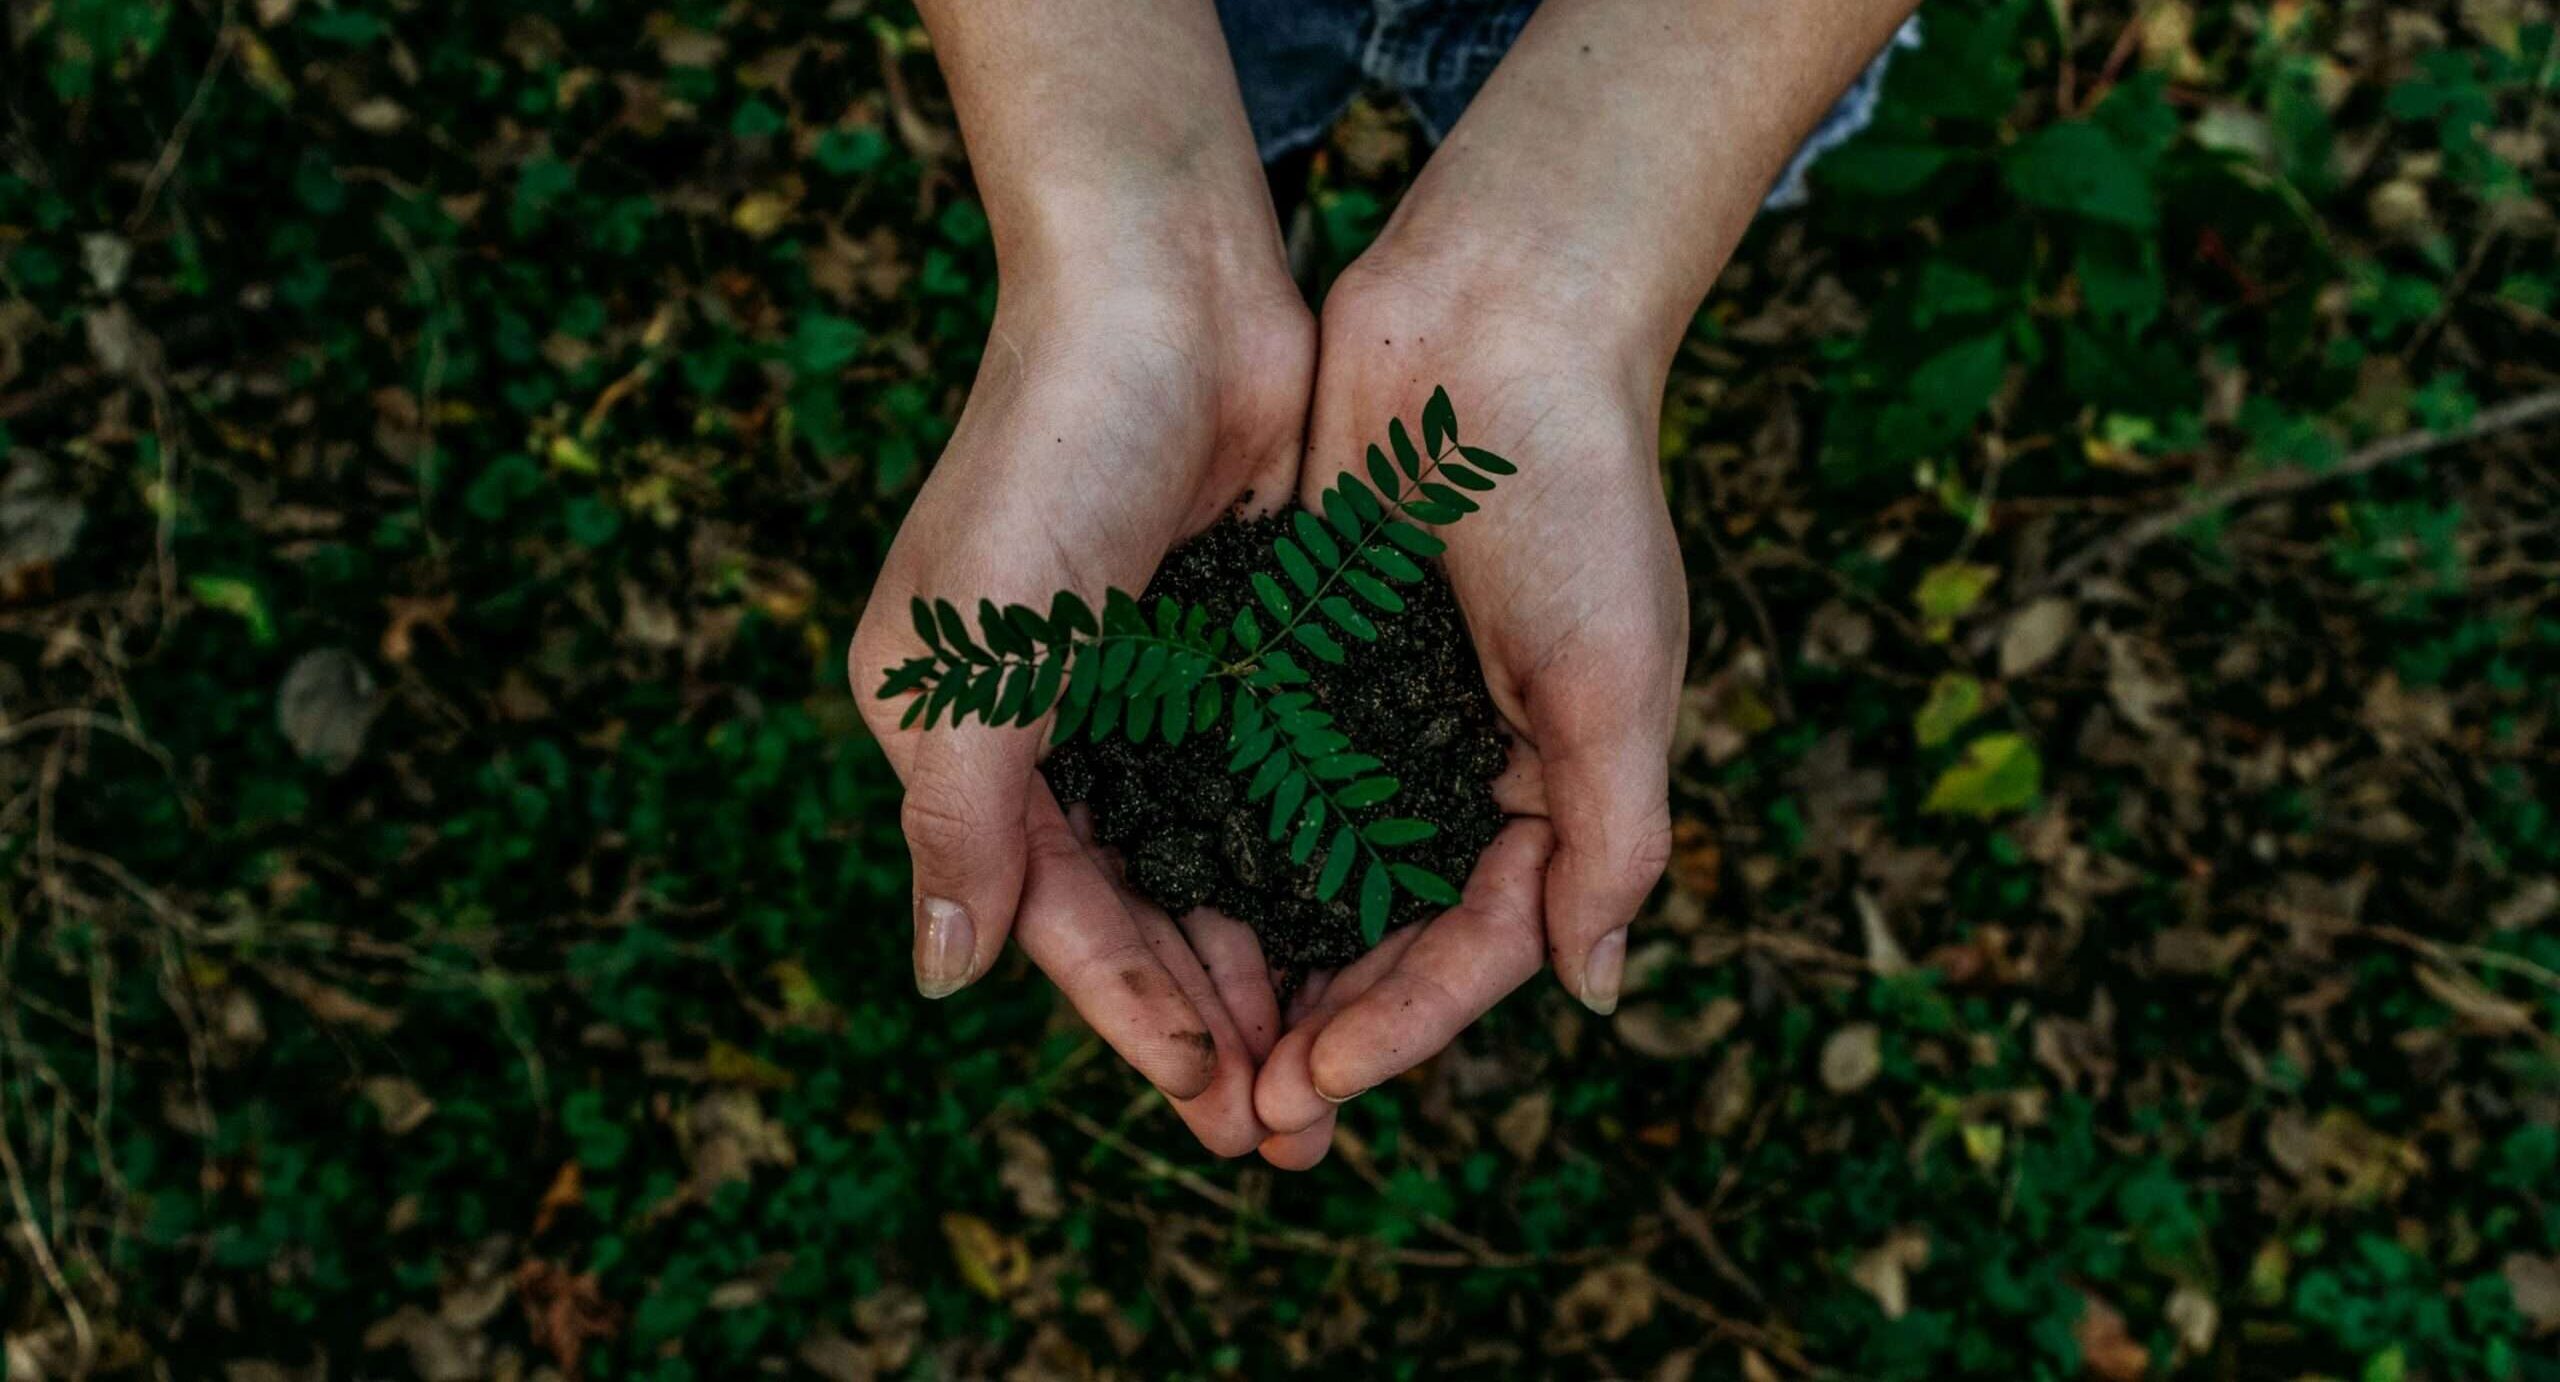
2534, 1283
1663, 1032
568, 1191
1885, 956
378, 115
325, 707
2107, 1349
564, 1311
994, 1263
2472, 1001
1950, 590
1953, 702
1522, 1128
334, 1006
1028, 1174
38, 524
2000, 773
1852, 1058
2197, 1319
438, 1352
399, 637
2035, 634
2533, 904
760, 214
1884, 1271
402, 1105
2140, 683
1696, 859
1609, 1303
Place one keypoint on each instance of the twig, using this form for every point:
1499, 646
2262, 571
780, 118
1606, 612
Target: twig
225, 39
1733, 572
1472, 1252
85, 1339
2267, 484
2449, 953
1701, 1234
1719, 1322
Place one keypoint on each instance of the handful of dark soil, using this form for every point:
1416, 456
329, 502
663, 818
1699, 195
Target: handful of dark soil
1414, 699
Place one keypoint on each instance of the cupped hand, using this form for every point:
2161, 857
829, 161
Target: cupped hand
1570, 580
1107, 423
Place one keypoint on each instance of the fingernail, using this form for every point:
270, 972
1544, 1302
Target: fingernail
1347, 1098
946, 945
1603, 971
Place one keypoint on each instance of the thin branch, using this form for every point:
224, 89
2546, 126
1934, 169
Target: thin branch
2267, 484
1388, 509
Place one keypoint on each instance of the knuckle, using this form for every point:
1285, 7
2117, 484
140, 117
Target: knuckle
937, 816
1648, 851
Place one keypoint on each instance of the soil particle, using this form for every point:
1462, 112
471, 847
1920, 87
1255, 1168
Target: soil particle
1414, 699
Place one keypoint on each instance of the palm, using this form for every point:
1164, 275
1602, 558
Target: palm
1087, 450
1572, 589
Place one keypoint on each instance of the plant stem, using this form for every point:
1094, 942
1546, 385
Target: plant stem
1387, 513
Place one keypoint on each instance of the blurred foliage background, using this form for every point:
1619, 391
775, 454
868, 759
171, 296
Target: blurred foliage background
454, 925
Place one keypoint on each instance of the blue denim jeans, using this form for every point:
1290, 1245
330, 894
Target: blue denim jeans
1301, 62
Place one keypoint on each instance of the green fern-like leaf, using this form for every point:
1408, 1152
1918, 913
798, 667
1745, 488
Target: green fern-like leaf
1138, 670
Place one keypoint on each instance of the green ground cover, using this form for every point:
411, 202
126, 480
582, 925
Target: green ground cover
455, 924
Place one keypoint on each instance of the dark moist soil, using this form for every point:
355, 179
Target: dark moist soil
1414, 699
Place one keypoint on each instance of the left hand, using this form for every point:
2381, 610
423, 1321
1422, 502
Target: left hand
1570, 580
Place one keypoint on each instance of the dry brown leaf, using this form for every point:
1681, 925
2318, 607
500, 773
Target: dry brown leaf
994, 1263
1696, 859
1661, 1031
2140, 682
1852, 1058
1028, 1174
568, 1191
326, 705
1522, 1128
564, 1311
2534, 1282
402, 1105
2107, 1349
2035, 634
331, 1005
1606, 1305
2472, 1001
1884, 1271
2196, 1318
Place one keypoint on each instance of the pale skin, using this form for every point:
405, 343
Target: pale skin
1152, 364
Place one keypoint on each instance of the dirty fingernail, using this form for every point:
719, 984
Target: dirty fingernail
1603, 971
946, 945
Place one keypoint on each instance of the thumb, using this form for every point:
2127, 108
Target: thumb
1610, 802
967, 788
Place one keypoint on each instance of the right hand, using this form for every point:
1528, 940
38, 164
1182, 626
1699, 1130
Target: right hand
1114, 415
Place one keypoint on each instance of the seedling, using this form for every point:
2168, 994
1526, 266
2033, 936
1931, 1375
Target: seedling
1164, 671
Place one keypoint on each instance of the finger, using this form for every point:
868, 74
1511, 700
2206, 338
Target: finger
1284, 1094
1076, 930
967, 790
1463, 962
1221, 1116
1521, 790
1228, 950
1300, 1150
1308, 998
1608, 789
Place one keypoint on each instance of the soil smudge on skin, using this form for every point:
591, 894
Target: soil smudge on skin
1414, 699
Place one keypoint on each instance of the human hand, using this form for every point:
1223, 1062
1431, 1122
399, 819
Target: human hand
1112, 418
1570, 580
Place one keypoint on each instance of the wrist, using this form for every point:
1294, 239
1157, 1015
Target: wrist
1542, 299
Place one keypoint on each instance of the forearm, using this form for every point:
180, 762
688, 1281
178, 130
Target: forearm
1621, 148
1106, 135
